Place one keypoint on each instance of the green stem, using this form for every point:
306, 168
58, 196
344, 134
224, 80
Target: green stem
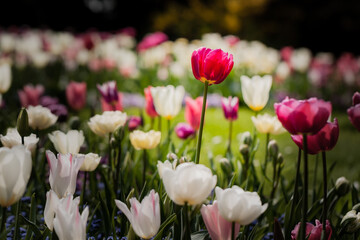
323, 235
118, 164
274, 178
233, 231
82, 196
305, 191
266, 152
230, 136
3, 219
144, 166
16, 234
187, 235
168, 128
315, 178
152, 123
198, 147
159, 123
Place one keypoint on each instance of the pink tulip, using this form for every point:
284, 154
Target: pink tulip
217, 226
303, 116
230, 107
76, 95
184, 130
324, 140
112, 106
134, 122
210, 65
149, 103
193, 109
314, 232
111, 98
30, 95
152, 40
354, 111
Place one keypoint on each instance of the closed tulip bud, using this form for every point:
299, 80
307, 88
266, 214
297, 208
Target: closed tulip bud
171, 157
245, 206
68, 223
69, 142
196, 181
256, 91
351, 222
107, 122
246, 138
144, 217
22, 123
244, 150
280, 158
91, 161
226, 166
15, 170
74, 122
273, 148
211, 65
217, 226
119, 134
63, 172
342, 186
183, 159
230, 107
40, 117
145, 140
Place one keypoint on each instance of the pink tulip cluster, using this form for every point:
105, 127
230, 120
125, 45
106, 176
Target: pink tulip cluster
314, 232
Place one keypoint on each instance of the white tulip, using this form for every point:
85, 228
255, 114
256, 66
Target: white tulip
189, 183
267, 124
255, 91
63, 172
107, 122
40, 117
300, 59
168, 100
13, 138
52, 201
145, 216
68, 223
5, 77
15, 170
145, 140
69, 142
91, 162
237, 205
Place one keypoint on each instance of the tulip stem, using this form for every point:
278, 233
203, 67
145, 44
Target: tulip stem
305, 191
187, 223
144, 166
3, 219
16, 233
274, 178
168, 128
82, 196
230, 136
323, 235
198, 147
233, 231
266, 152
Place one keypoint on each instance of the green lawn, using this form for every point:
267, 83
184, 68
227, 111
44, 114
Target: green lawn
215, 137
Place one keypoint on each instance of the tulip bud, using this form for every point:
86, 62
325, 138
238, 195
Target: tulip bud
246, 138
183, 159
356, 207
22, 123
280, 158
273, 149
244, 150
342, 186
226, 166
119, 134
351, 222
74, 122
171, 156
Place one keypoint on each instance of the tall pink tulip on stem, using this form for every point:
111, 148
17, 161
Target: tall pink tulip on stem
230, 108
76, 95
210, 67
303, 117
193, 111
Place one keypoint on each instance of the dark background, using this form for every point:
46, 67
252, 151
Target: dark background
332, 25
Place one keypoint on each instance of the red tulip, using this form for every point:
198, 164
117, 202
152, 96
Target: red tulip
354, 111
210, 65
30, 95
149, 103
184, 130
324, 140
76, 95
314, 232
230, 107
193, 110
303, 116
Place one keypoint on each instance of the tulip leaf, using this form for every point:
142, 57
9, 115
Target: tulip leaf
278, 235
92, 216
32, 226
164, 225
32, 216
105, 214
200, 235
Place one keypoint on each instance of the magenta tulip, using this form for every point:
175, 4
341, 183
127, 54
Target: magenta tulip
303, 116
152, 40
324, 140
110, 97
30, 95
230, 107
217, 226
354, 111
193, 111
314, 232
76, 95
211, 66
134, 122
184, 130
149, 103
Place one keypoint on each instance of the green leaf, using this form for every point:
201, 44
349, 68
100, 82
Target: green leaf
165, 224
32, 226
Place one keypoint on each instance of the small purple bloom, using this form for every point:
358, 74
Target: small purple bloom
184, 130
